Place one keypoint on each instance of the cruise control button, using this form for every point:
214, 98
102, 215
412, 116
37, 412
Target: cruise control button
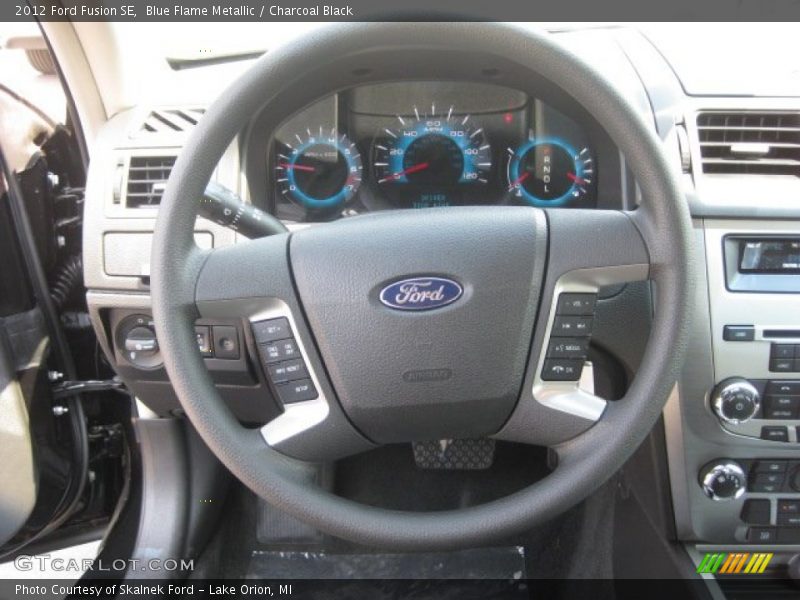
296, 391
562, 369
775, 434
576, 304
288, 371
278, 351
271, 330
572, 326
568, 348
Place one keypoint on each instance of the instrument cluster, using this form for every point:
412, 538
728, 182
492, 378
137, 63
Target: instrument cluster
378, 147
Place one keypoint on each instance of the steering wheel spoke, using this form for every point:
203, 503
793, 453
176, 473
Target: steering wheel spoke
588, 251
251, 281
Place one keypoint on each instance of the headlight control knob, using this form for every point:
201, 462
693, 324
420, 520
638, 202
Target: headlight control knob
137, 342
723, 479
735, 400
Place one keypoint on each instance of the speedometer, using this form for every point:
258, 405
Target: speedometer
433, 154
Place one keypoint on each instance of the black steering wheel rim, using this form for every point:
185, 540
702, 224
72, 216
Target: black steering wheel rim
349, 54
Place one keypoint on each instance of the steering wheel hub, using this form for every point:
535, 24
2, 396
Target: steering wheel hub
373, 352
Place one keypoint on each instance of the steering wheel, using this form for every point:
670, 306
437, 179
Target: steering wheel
475, 365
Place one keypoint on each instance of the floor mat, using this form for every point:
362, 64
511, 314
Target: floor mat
506, 563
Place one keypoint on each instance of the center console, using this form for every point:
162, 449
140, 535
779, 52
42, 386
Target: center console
734, 423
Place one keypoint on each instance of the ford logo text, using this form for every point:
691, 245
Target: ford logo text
421, 293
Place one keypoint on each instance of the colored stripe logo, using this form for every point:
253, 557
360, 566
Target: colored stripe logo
733, 563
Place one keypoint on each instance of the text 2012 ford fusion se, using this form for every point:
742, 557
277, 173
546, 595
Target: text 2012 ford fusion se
425, 306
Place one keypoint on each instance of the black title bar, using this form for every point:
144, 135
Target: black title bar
397, 10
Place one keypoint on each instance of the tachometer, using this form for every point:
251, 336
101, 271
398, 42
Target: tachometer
432, 151
549, 172
322, 171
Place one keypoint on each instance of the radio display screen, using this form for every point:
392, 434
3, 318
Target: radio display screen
769, 255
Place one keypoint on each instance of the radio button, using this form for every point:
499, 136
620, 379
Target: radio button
576, 304
782, 365
775, 434
770, 466
781, 351
572, 326
568, 348
779, 413
788, 388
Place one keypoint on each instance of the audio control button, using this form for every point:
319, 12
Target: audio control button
738, 333
784, 387
735, 400
781, 365
775, 433
781, 351
770, 466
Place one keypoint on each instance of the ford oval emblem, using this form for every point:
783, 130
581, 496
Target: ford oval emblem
421, 293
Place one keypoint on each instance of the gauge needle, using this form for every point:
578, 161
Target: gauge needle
297, 167
576, 179
409, 170
519, 180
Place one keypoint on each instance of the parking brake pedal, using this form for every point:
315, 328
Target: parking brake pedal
466, 455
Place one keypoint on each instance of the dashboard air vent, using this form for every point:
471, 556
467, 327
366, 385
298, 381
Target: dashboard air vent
171, 120
753, 143
147, 178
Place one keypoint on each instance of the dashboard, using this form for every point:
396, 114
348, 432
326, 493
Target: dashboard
406, 145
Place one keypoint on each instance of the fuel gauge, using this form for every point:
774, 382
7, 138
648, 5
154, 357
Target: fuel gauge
548, 172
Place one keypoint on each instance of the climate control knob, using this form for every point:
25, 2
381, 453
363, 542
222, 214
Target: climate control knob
735, 400
723, 480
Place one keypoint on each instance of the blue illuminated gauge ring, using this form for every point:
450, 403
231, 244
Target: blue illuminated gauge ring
549, 172
322, 171
433, 150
